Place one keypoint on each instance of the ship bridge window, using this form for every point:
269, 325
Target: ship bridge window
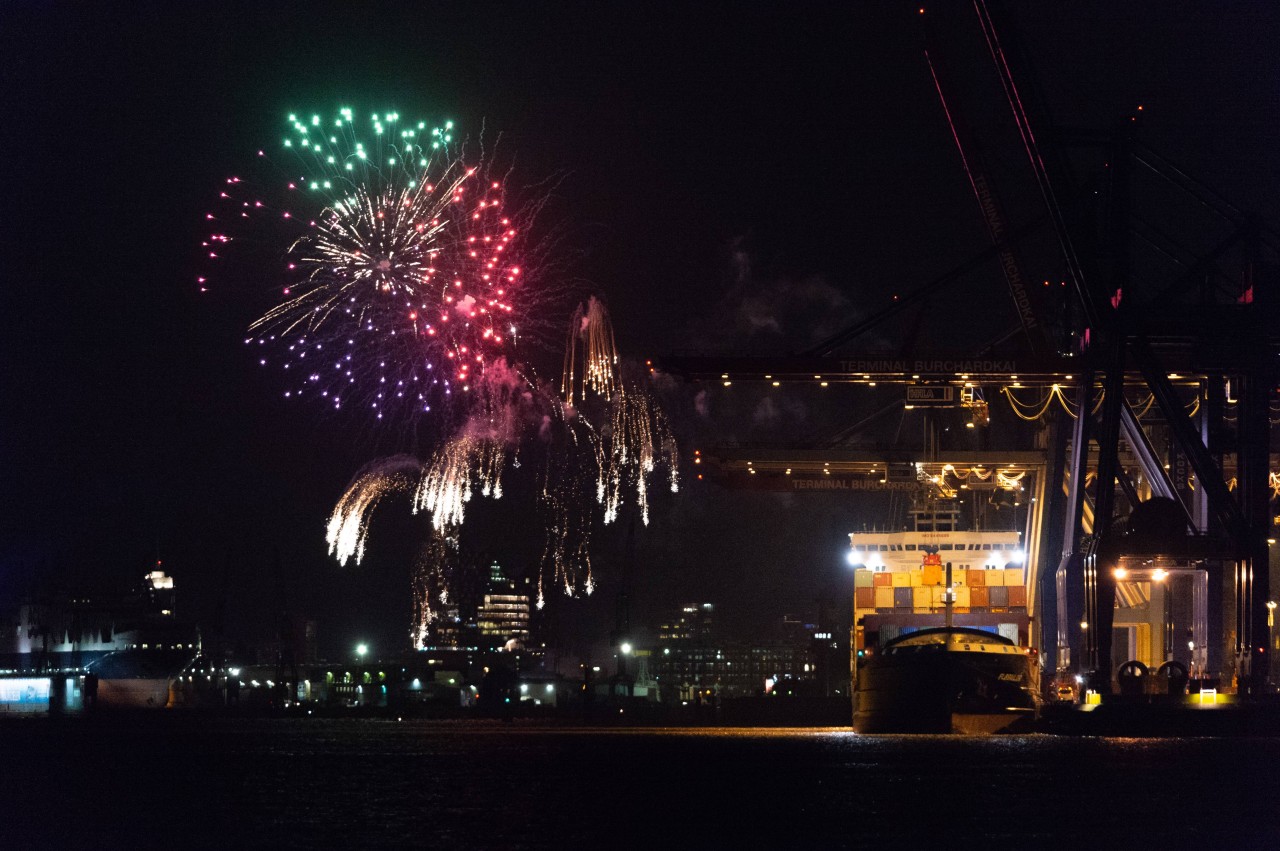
911, 546
946, 546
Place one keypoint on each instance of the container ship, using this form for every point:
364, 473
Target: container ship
940, 629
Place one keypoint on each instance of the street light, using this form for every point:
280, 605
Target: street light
1271, 634
362, 649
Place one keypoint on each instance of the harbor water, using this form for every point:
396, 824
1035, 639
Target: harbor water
183, 781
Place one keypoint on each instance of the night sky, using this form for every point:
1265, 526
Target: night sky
744, 179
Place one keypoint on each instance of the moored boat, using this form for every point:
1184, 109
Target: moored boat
946, 680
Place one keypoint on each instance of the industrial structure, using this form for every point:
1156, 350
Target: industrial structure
1119, 423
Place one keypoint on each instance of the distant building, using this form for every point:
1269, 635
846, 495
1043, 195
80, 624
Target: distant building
503, 618
692, 665
71, 632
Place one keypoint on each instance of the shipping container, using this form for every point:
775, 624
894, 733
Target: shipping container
884, 597
1013, 576
1017, 595
976, 578
902, 598
862, 578
979, 597
993, 578
998, 596
881, 579
931, 575
864, 598
917, 578
962, 596
937, 596
901, 579
921, 598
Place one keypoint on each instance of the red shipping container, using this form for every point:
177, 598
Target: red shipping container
882, 578
864, 598
978, 597
1017, 595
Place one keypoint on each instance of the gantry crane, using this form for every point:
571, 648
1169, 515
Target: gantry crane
1194, 330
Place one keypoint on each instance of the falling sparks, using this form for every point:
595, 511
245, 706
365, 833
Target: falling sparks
639, 440
573, 465
590, 342
348, 526
463, 466
430, 579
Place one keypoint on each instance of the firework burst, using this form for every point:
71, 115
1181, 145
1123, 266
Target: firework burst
404, 281
402, 269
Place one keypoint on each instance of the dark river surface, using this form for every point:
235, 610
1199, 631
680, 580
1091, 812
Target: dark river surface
185, 781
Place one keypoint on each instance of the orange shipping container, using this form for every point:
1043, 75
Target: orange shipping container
931, 575
977, 577
978, 597
1017, 595
881, 580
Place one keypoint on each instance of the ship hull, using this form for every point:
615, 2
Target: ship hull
944, 692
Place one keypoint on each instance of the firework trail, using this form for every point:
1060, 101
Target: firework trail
431, 579
460, 468
639, 438
348, 526
636, 436
574, 460
403, 264
591, 339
